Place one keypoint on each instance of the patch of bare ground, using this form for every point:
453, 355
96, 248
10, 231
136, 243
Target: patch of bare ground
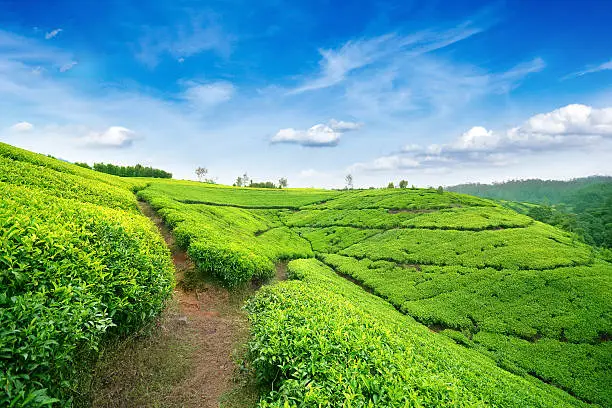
191, 356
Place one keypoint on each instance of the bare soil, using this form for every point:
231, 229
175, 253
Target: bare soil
191, 358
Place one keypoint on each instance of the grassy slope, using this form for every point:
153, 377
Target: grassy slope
78, 263
498, 282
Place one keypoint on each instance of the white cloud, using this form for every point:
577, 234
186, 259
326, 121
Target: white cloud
320, 135
572, 119
205, 95
342, 126
114, 136
477, 138
68, 66
317, 136
22, 127
52, 34
567, 128
606, 66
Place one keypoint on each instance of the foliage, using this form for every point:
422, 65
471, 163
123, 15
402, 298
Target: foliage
263, 184
534, 190
282, 182
583, 206
349, 181
85, 165
403, 184
322, 341
75, 268
201, 172
131, 171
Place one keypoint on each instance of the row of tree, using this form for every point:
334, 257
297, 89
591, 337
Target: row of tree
245, 181
127, 171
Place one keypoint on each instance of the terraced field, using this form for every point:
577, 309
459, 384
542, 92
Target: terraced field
523, 308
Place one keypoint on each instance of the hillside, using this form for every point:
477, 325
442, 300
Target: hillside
395, 297
583, 205
512, 289
534, 190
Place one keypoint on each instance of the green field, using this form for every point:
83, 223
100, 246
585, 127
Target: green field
395, 297
525, 296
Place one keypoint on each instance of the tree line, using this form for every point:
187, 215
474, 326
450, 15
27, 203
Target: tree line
127, 171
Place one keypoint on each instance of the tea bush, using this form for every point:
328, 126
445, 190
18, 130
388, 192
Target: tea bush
73, 272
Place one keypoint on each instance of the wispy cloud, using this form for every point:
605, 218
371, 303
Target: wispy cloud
20, 49
320, 135
336, 64
427, 85
22, 127
200, 33
569, 127
606, 66
208, 94
53, 34
68, 66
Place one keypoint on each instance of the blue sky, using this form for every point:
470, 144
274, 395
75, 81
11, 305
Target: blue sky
433, 92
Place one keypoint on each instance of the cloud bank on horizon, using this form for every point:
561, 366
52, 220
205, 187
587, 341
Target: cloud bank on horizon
436, 96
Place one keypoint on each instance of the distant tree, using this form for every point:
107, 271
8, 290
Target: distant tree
246, 181
239, 182
87, 166
282, 182
413, 187
403, 184
264, 184
131, 171
349, 182
440, 190
201, 172
390, 185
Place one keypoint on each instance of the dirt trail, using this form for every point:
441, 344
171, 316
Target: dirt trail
194, 341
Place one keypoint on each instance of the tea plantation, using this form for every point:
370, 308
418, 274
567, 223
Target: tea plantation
395, 297
510, 297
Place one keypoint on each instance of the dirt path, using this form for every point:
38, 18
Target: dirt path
189, 358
